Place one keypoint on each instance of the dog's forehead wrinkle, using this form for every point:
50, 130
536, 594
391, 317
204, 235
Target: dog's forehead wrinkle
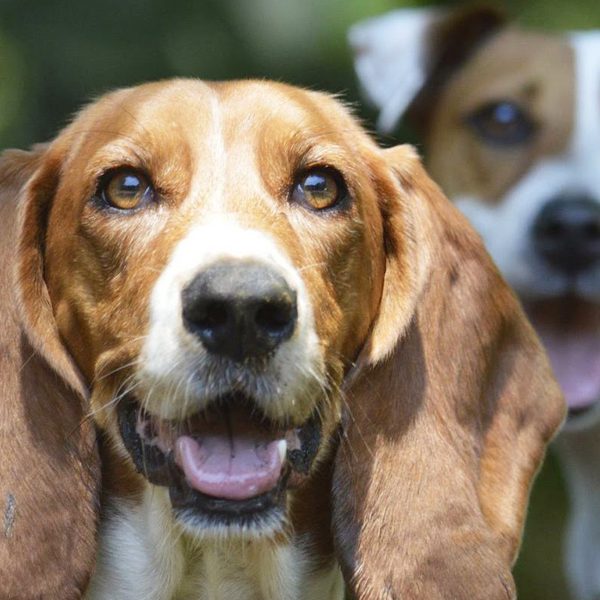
299, 112
268, 100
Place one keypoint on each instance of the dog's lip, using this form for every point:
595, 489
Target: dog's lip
188, 456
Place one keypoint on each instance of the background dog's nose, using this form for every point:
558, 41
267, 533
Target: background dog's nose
239, 309
566, 233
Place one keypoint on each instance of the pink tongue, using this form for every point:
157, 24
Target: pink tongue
576, 363
570, 331
232, 467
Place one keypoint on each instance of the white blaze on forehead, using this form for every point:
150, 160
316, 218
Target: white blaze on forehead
212, 176
587, 71
585, 144
176, 372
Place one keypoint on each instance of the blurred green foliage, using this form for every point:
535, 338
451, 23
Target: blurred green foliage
55, 55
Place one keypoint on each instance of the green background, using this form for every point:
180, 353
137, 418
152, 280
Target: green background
55, 55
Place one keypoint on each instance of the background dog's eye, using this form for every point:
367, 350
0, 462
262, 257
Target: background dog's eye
319, 189
503, 123
127, 190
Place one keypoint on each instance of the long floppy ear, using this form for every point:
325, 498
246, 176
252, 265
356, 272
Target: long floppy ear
405, 57
49, 465
448, 414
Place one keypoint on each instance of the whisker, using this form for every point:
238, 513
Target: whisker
26, 361
131, 385
312, 266
132, 363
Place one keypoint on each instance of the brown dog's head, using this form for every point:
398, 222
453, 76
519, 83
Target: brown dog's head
254, 293
213, 277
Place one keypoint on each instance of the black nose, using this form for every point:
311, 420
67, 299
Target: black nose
239, 309
566, 233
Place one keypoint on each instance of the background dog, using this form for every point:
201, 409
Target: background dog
263, 310
511, 124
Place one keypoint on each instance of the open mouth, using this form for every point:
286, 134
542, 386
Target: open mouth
570, 330
226, 465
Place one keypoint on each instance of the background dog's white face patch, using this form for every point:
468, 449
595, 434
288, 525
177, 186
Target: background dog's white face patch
506, 227
178, 376
587, 116
586, 141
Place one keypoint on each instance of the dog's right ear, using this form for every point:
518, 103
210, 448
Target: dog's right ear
405, 57
49, 464
35, 175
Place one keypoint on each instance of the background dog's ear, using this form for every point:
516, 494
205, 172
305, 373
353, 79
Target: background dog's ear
445, 427
405, 57
49, 465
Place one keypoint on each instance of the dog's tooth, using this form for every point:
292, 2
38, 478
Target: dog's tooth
282, 449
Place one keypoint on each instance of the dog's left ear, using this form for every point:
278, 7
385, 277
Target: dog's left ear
405, 57
448, 413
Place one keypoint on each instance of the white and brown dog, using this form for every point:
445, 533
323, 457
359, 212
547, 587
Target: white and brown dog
511, 124
260, 309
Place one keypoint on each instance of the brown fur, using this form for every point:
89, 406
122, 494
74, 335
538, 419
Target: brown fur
48, 464
442, 375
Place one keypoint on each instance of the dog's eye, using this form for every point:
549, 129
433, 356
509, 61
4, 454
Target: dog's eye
502, 123
319, 189
126, 189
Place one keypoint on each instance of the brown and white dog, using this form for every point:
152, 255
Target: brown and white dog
511, 124
306, 373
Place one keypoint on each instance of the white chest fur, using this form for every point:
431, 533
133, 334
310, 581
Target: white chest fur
143, 554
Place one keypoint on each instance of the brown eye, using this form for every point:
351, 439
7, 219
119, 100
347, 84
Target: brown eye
319, 189
127, 190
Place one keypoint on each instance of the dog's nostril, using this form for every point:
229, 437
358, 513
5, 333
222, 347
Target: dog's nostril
274, 317
566, 234
213, 314
552, 230
592, 230
239, 309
